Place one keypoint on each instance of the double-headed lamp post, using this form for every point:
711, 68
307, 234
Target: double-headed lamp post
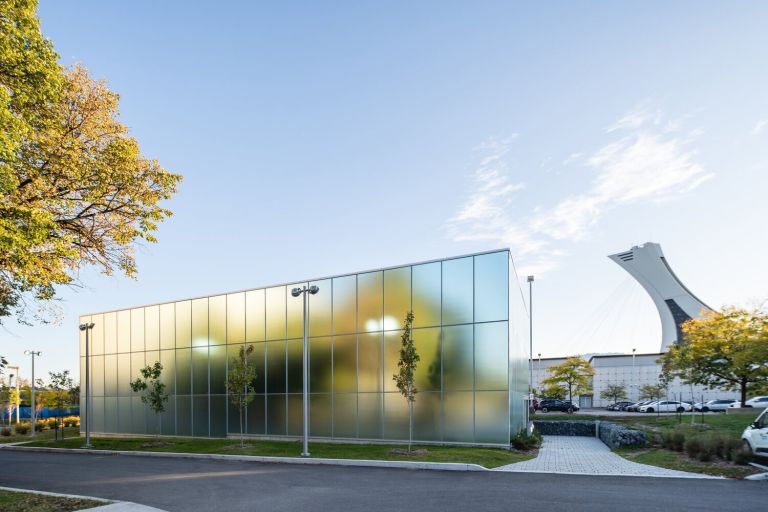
530, 337
634, 378
87, 328
32, 387
18, 396
304, 290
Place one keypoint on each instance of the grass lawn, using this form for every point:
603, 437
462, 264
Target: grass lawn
674, 460
486, 457
43, 435
32, 502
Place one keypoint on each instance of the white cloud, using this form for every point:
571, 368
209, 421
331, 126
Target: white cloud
759, 127
645, 164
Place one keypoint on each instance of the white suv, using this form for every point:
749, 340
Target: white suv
758, 402
755, 436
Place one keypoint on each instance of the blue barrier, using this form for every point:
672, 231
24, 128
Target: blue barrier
25, 413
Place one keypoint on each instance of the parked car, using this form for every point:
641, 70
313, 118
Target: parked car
558, 405
712, 405
665, 406
636, 406
617, 406
757, 402
755, 436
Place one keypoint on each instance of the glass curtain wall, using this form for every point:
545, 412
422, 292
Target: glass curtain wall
469, 378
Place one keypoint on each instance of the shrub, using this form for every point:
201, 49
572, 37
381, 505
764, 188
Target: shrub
22, 429
523, 441
50, 423
41, 425
678, 440
693, 447
71, 421
732, 447
742, 455
5, 432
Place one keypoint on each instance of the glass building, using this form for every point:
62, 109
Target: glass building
470, 330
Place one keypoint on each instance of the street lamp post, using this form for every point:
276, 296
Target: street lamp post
18, 397
530, 336
296, 292
87, 328
540, 375
34, 409
634, 378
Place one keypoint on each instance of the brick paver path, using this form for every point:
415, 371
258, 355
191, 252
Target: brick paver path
588, 455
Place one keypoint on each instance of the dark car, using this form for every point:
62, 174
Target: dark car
618, 406
557, 405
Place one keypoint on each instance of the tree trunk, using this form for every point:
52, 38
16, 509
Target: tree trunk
743, 393
242, 443
410, 424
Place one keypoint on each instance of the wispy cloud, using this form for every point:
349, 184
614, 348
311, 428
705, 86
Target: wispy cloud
645, 163
759, 127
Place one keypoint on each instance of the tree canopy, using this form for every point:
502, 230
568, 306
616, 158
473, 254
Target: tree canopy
573, 374
614, 392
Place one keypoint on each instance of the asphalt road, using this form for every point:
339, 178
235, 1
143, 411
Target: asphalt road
206, 485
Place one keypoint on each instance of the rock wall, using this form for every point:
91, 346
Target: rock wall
612, 434
615, 436
565, 428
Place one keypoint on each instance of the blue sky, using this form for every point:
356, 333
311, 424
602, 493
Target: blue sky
319, 138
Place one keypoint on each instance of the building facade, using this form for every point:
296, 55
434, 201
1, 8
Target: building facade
470, 330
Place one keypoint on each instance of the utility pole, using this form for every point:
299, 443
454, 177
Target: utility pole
34, 409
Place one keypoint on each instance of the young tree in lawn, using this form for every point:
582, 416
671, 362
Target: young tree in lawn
614, 393
152, 389
573, 374
406, 368
57, 396
14, 401
240, 383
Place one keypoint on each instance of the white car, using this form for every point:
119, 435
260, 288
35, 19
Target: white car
755, 436
713, 405
666, 406
758, 402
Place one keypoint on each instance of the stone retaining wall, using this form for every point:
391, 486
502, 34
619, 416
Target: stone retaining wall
612, 434
615, 435
565, 428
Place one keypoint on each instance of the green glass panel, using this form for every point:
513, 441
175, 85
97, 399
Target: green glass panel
426, 295
236, 317
167, 326
320, 365
320, 415
427, 417
295, 311
457, 291
97, 335
255, 319
276, 415
168, 417
428, 369
200, 322
276, 366
320, 312
492, 287
183, 324
152, 328
458, 362
369, 417
392, 345
370, 301
492, 417
137, 330
255, 415
97, 376
395, 416
124, 375
345, 304
138, 416
110, 333
124, 331
218, 369
199, 370
217, 320
295, 365
276, 313
200, 425
110, 415
183, 371
491, 360
295, 415
168, 377
459, 421
124, 424
397, 297
110, 375
183, 415
344, 364
218, 416
345, 415
369, 362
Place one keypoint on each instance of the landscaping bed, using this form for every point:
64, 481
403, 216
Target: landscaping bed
16, 437
12, 501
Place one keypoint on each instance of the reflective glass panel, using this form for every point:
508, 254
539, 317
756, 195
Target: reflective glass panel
218, 370
295, 311
218, 415
276, 367
426, 295
110, 333
168, 376
320, 415
397, 297
427, 417
320, 309
124, 331
184, 415
137, 329
369, 362
294, 426
256, 359
395, 416
457, 291
276, 415
369, 417
97, 335
320, 365
255, 315
217, 318
255, 415
183, 324
370, 301
97, 376
491, 361
428, 369
124, 414
168, 417
344, 304
183, 371
110, 375
137, 363
344, 363
138, 416
200, 416
199, 370
492, 287
124, 375
459, 421
458, 358
110, 415
200, 322
392, 344
167, 326
295, 365
97, 403
276, 313
236, 317
345, 415
152, 328
492, 417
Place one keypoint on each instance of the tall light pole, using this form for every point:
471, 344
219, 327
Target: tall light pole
296, 292
18, 396
87, 328
540, 375
34, 409
530, 335
634, 378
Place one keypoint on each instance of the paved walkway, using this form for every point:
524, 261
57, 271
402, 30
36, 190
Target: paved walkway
588, 456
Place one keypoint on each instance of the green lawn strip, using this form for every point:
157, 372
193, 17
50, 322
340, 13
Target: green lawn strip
681, 462
41, 435
11, 501
486, 457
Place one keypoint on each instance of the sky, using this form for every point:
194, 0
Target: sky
323, 138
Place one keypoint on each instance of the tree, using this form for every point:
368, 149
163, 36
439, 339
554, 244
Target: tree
152, 389
653, 391
240, 379
75, 189
725, 350
14, 401
554, 391
573, 374
406, 369
57, 396
614, 392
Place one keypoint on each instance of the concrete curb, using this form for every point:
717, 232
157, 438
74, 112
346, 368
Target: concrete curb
691, 476
109, 505
434, 466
